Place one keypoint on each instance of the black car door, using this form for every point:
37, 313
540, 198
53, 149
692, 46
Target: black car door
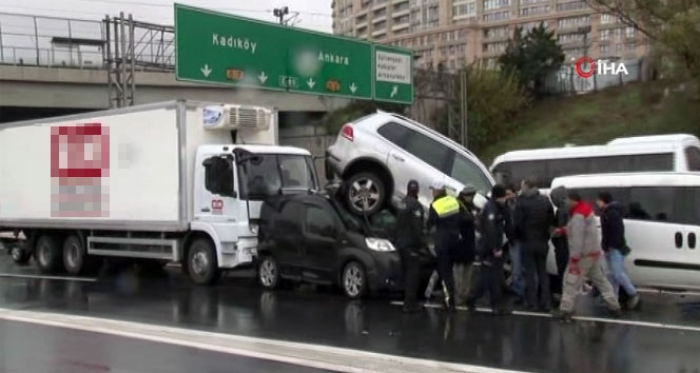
320, 233
288, 243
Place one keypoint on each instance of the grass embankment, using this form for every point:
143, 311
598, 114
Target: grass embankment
631, 110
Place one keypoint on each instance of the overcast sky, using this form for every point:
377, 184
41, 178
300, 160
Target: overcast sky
313, 14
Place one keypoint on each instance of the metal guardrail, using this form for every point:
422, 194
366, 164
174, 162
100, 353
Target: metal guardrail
74, 43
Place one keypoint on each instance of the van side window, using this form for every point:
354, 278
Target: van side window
319, 222
654, 203
652, 162
427, 150
692, 156
590, 195
394, 132
218, 176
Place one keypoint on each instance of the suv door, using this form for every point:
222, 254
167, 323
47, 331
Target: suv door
320, 232
426, 161
465, 171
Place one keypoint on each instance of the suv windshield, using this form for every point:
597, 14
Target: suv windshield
266, 174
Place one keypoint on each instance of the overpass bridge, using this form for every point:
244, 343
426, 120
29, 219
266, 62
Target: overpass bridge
60, 65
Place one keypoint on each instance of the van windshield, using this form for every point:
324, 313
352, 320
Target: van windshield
264, 175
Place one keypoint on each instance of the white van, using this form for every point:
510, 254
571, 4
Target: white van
661, 153
662, 224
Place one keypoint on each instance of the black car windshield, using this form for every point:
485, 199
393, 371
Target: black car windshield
263, 175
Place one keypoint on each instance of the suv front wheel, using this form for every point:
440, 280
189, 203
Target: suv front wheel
365, 193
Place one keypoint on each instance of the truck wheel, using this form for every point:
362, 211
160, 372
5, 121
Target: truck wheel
202, 265
269, 273
76, 259
365, 187
48, 254
354, 280
19, 255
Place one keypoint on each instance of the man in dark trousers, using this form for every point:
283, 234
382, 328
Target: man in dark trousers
445, 216
490, 253
615, 247
465, 251
410, 240
534, 219
560, 199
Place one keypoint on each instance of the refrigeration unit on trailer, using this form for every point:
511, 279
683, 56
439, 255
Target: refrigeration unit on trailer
170, 182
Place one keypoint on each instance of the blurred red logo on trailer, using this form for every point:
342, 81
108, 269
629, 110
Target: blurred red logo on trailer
80, 170
217, 206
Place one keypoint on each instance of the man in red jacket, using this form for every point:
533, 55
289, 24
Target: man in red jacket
585, 258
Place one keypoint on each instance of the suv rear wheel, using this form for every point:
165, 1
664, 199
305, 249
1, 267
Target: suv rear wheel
365, 192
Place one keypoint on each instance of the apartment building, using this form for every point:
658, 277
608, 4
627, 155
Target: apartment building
457, 32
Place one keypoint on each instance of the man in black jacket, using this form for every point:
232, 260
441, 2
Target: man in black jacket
465, 251
614, 245
490, 253
410, 240
534, 218
559, 241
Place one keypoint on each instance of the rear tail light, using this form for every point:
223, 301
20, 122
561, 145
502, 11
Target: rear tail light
348, 132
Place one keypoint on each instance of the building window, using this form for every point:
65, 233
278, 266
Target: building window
574, 22
379, 26
496, 47
529, 2
464, 9
604, 49
400, 7
534, 10
607, 19
498, 16
379, 13
630, 47
618, 48
400, 20
576, 5
497, 32
630, 32
605, 34
495, 4
570, 38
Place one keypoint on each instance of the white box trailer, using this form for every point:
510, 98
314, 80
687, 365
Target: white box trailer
176, 181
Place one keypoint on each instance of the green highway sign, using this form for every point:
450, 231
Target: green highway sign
224, 49
393, 70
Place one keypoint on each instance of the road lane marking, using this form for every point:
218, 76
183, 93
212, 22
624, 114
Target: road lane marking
302, 354
647, 324
42, 277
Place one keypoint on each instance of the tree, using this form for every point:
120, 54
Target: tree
533, 57
670, 25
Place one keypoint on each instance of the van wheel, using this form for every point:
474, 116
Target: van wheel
268, 273
19, 255
48, 254
365, 188
202, 265
354, 281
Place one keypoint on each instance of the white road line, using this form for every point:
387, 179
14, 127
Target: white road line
583, 318
309, 355
42, 277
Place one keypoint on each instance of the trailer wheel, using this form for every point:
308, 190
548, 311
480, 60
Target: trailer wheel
48, 254
19, 255
76, 259
202, 265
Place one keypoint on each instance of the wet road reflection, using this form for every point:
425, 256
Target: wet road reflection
306, 315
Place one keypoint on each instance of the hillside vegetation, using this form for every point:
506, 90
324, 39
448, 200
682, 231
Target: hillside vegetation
631, 110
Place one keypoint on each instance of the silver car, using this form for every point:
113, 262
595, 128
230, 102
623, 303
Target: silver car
378, 154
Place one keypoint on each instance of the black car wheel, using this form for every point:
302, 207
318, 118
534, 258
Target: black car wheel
268, 273
365, 193
354, 280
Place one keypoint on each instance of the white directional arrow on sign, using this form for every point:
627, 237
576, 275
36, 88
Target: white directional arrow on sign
262, 77
394, 91
311, 83
205, 70
353, 88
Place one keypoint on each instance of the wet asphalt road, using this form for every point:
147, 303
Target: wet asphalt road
238, 306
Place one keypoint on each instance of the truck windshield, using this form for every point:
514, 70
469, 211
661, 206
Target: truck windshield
267, 174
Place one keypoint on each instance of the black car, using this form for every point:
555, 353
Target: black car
311, 238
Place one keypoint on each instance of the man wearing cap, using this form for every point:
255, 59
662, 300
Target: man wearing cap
465, 251
445, 216
490, 253
410, 240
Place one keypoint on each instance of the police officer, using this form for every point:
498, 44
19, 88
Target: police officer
410, 240
490, 252
445, 216
465, 252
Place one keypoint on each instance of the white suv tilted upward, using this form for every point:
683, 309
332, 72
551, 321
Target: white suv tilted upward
378, 154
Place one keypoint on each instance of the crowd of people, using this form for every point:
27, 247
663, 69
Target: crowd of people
472, 247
